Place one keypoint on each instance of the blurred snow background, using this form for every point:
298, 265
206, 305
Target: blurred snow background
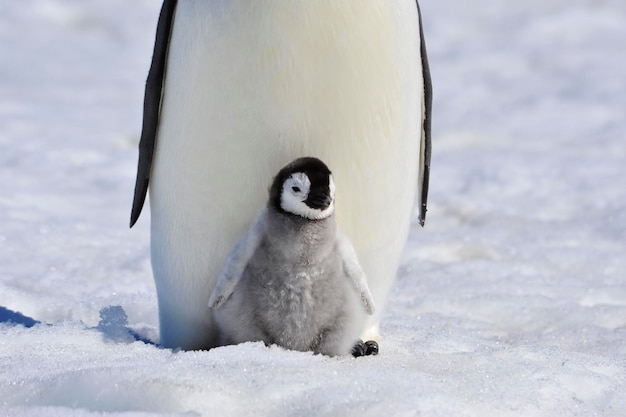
511, 301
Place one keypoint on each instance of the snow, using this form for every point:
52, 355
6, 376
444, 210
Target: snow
511, 301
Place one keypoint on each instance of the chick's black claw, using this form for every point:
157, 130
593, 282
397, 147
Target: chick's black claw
359, 349
371, 347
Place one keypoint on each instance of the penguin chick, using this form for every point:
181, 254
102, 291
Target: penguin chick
293, 279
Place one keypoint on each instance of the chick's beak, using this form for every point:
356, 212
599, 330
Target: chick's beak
319, 201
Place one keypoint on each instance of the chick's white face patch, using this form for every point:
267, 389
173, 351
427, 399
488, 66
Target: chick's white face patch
295, 193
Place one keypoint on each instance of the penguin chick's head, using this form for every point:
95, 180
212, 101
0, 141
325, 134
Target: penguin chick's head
304, 188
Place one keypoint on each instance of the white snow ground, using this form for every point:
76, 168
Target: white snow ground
511, 301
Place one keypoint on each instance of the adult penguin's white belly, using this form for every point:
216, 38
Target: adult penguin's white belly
251, 85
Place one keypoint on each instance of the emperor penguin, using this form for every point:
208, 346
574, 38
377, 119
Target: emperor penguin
293, 279
238, 88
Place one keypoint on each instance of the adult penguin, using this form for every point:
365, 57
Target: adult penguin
238, 88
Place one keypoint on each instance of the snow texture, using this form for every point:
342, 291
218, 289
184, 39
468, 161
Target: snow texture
511, 301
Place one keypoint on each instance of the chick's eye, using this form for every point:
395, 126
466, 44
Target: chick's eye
295, 189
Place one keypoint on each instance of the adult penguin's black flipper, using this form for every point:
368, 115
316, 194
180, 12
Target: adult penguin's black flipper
152, 106
425, 149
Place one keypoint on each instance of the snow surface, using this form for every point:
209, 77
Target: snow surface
511, 301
